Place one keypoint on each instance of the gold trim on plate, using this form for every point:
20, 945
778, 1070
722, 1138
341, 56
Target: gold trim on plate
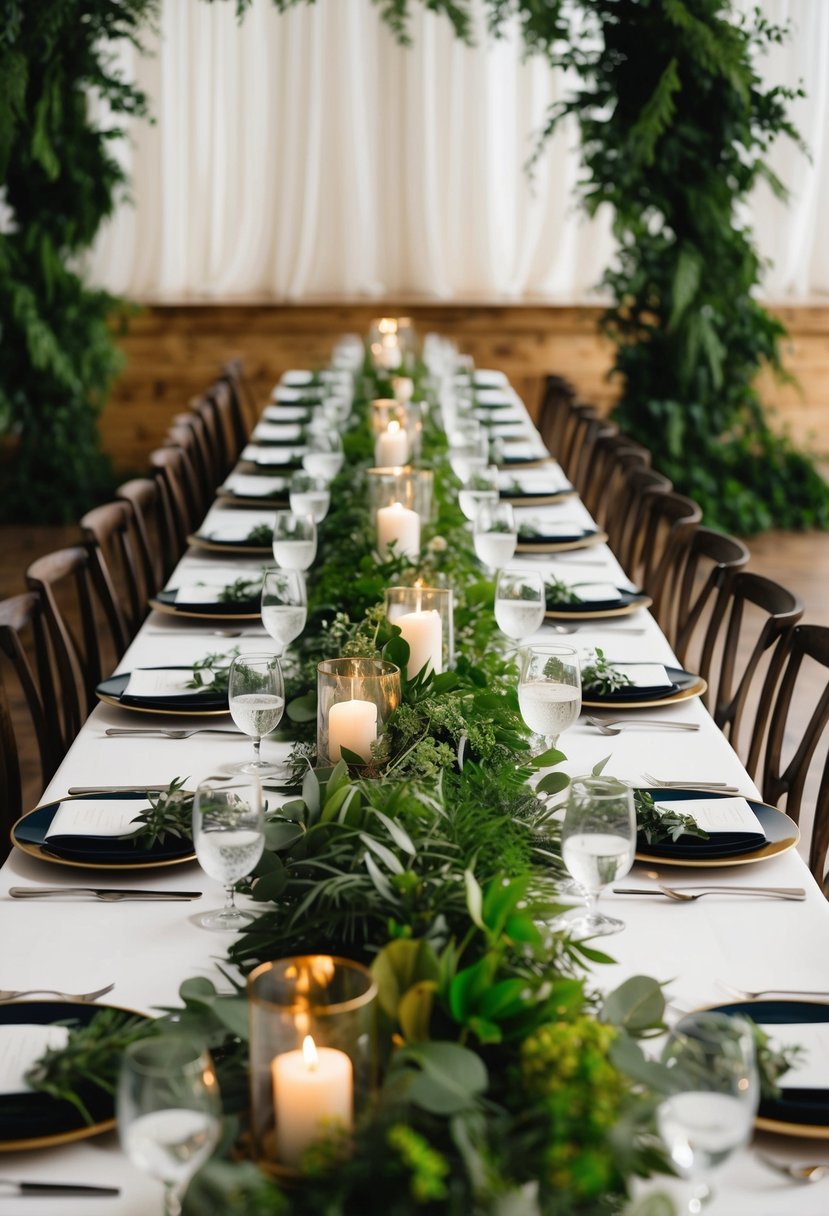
684, 694
561, 546
201, 542
106, 699
772, 848
594, 614
172, 610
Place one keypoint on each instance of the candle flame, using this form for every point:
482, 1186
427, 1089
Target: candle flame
309, 1053
393, 427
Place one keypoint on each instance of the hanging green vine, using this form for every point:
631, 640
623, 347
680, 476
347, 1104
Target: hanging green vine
58, 181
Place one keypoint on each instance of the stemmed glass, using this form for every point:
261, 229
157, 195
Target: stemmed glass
294, 540
324, 455
712, 1071
309, 495
468, 448
519, 603
256, 697
495, 534
229, 836
284, 605
169, 1113
598, 841
479, 487
549, 689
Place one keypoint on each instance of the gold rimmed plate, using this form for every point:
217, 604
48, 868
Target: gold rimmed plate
226, 546
795, 1111
580, 538
684, 684
207, 704
781, 834
32, 1120
626, 603
245, 610
95, 852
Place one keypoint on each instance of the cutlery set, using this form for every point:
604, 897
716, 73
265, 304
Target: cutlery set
687, 894
107, 895
612, 726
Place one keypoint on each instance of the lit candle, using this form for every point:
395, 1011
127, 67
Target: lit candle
398, 524
311, 1089
392, 446
424, 633
391, 355
352, 724
403, 388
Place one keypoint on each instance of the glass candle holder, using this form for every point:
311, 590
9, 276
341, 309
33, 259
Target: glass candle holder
312, 1058
394, 415
425, 616
355, 698
403, 484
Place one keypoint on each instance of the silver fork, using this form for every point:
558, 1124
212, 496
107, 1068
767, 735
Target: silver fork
613, 726
689, 894
719, 787
753, 996
11, 994
165, 733
587, 625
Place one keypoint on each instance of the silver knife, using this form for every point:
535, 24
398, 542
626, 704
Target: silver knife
107, 894
782, 892
8, 1187
118, 789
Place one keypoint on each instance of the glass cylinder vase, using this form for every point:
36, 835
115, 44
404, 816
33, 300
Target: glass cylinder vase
401, 483
424, 616
312, 1057
355, 698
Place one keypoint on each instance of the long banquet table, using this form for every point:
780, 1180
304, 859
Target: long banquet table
699, 949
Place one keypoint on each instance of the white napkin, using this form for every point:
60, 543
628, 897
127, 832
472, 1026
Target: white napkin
493, 396
96, 817
644, 675
297, 376
285, 413
532, 450
21, 1046
199, 593
164, 682
283, 392
291, 431
592, 593
271, 456
251, 486
510, 430
561, 527
715, 815
548, 480
489, 377
229, 532
813, 1070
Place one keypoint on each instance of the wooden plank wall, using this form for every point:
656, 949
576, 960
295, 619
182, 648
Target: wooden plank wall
174, 351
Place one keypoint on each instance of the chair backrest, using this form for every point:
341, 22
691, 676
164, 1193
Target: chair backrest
596, 460
112, 529
742, 655
557, 405
84, 619
243, 400
712, 558
204, 456
153, 530
29, 702
625, 527
198, 491
604, 495
575, 435
670, 521
804, 681
168, 465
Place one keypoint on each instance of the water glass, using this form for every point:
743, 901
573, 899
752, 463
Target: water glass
519, 603
598, 842
324, 455
309, 495
480, 487
495, 535
284, 605
712, 1073
256, 697
294, 540
549, 689
228, 836
169, 1112
468, 449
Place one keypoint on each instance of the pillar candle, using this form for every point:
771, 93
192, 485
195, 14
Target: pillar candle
352, 724
398, 523
403, 387
424, 633
392, 446
311, 1088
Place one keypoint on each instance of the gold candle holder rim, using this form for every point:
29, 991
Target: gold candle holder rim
318, 1011
380, 668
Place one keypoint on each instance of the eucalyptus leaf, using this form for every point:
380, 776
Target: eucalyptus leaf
553, 783
450, 1079
636, 1005
302, 709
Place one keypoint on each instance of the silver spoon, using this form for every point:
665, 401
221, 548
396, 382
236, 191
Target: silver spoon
613, 726
797, 1171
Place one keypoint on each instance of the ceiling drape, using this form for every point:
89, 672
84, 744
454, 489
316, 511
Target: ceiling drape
305, 154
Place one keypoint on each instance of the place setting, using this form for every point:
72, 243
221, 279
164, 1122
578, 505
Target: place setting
636, 685
234, 531
535, 488
536, 535
220, 594
253, 489
589, 600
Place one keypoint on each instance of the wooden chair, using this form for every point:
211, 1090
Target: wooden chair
670, 521
557, 405
153, 530
180, 509
742, 654
204, 454
113, 530
30, 703
243, 400
712, 558
84, 621
216, 411
595, 460
606, 493
198, 491
579, 422
624, 526
807, 645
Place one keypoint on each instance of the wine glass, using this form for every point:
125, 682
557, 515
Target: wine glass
229, 836
519, 603
714, 1091
324, 455
169, 1113
598, 841
256, 697
294, 540
309, 495
480, 486
468, 448
495, 534
284, 605
549, 689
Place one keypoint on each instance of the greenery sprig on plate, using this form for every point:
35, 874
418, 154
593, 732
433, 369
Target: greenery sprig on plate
170, 814
243, 590
600, 676
558, 593
261, 536
660, 824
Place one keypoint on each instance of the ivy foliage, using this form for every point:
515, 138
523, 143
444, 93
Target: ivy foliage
58, 181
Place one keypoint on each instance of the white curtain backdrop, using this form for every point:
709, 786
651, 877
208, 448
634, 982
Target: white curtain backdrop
306, 155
